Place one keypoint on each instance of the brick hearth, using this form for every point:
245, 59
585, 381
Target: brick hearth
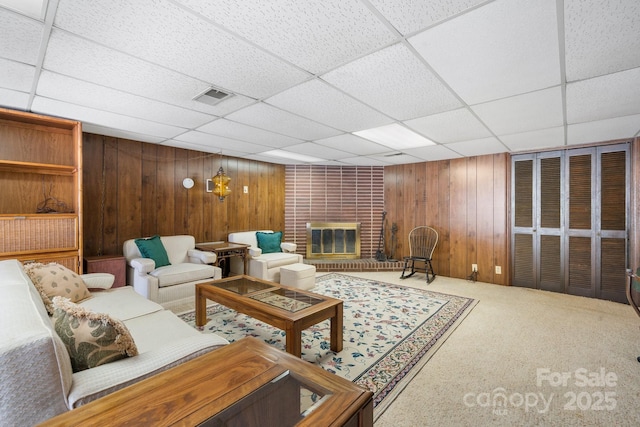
346, 265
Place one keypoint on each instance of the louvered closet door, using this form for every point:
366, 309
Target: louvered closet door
523, 202
537, 232
611, 233
549, 222
569, 220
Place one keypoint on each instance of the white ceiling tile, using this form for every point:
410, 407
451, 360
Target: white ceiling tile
396, 82
364, 161
536, 110
320, 151
408, 16
202, 147
310, 99
433, 153
501, 49
314, 35
604, 130
248, 133
601, 37
14, 99
170, 36
478, 147
535, 140
103, 118
16, 76
77, 92
353, 144
275, 120
33, 8
119, 133
271, 159
396, 158
452, 126
220, 142
20, 37
91, 62
604, 97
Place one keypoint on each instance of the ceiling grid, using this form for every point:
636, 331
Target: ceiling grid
472, 77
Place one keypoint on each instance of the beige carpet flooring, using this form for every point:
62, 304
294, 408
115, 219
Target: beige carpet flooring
524, 358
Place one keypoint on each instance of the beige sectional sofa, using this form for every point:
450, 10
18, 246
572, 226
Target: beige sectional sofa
35, 369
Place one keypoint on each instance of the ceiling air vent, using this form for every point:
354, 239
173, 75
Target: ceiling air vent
213, 96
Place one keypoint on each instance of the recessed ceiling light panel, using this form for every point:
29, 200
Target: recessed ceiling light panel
293, 156
395, 136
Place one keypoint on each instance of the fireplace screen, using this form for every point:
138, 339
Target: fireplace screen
333, 240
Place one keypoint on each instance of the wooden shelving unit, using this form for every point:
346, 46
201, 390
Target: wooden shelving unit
41, 181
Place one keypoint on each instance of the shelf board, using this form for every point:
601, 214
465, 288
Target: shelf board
39, 168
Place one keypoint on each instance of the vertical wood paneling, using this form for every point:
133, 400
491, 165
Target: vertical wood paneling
129, 180
501, 203
209, 214
149, 188
181, 165
110, 187
465, 200
195, 216
432, 209
458, 221
444, 225
484, 220
472, 213
165, 203
92, 184
144, 194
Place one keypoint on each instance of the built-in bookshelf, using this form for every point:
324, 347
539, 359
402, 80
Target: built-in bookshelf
41, 181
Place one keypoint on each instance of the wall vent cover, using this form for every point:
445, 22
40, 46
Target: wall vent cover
213, 96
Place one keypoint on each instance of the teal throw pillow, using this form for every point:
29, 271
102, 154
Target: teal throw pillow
269, 242
154, 249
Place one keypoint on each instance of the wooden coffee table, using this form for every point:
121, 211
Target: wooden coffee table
283, 307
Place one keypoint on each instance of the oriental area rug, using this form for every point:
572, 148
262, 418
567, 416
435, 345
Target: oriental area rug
389, 332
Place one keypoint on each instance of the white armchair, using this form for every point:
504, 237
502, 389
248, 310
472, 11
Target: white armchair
264, 266
173, 284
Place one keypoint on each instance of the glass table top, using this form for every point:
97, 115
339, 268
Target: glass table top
271, 294
295, 399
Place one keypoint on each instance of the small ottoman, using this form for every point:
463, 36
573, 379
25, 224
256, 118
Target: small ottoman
301, 276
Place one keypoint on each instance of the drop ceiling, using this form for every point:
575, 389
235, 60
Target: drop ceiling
472, 77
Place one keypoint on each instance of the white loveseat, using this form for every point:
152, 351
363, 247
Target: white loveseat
261, 265
35, 367
170, 285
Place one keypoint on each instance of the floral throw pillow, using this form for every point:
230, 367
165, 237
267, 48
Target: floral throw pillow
53, 280
92, 339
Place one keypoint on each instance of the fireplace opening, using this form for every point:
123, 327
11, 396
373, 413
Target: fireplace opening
333, 240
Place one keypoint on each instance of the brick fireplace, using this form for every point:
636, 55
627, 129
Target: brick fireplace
330, 240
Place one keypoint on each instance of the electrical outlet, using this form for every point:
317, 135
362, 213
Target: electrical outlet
474, 267
245, 189
498, 269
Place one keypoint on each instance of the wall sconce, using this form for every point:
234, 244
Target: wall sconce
221, 184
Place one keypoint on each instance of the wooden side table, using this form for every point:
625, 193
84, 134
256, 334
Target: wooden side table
224, 251
114, 264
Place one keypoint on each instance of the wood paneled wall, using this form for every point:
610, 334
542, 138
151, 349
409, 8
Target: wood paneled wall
334, 194
134, 189
466, 200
